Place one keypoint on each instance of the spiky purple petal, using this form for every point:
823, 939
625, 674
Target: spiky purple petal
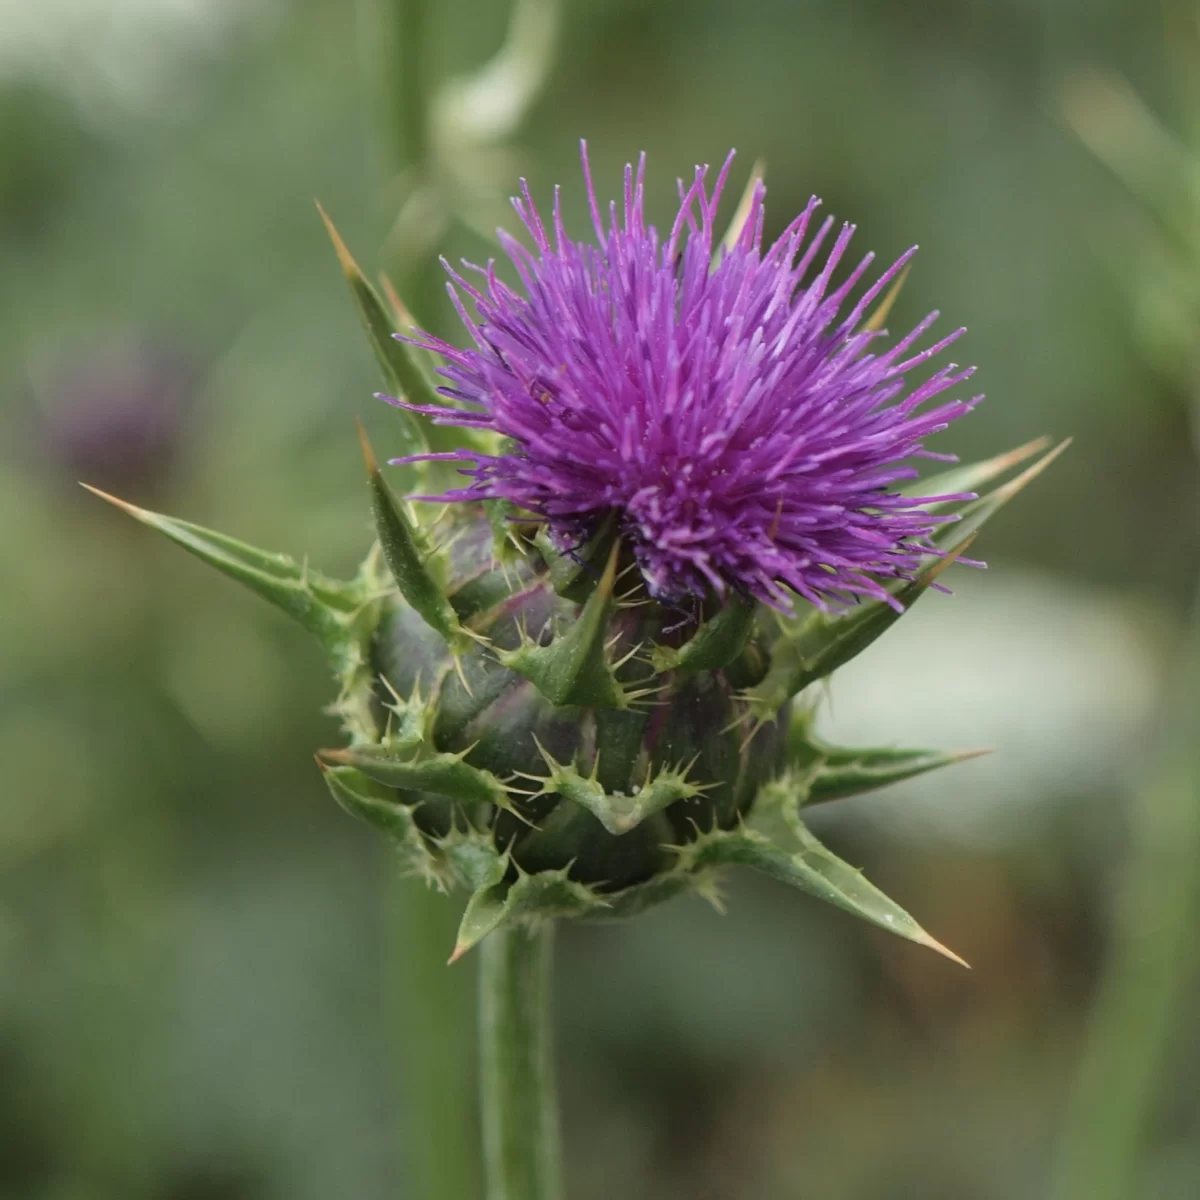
745, 436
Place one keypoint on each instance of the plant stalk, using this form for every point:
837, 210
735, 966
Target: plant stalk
516, 1075
393, 46
432, 1007
1141, 994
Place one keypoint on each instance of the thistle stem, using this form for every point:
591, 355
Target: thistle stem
516, 1076
433, 1007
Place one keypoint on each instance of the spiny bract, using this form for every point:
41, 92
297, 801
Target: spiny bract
577, 688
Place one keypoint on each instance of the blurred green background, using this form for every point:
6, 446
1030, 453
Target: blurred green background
211, 985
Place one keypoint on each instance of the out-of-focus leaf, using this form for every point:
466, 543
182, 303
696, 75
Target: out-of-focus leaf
408, 558
488, 106
742, 213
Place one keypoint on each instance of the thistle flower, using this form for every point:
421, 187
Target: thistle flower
580, 688
735, 417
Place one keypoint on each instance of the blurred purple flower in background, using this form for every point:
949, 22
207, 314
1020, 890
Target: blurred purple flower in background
746, 435
114, 414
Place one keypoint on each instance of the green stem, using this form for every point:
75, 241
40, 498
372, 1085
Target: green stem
1140, 995
432, 1004
393, 46
433, 1009
517, 1095
410, 49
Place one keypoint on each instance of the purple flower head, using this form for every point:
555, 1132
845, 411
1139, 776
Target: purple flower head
725, 402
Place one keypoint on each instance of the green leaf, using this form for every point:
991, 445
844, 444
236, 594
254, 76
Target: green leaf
638, 898
325, 607
814, 870
407, 558
471, 853
401, 319
403, 366
508, 544
815, 647
826, 641
822, 772
574, 576
546, 895
972, 476
574, 668
1129, 138
368, 800
741, 214
715, 644
401, 370
486, 908
953, 536
875, 322
442, 774
618, 813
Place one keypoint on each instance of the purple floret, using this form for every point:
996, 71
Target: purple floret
746, 434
